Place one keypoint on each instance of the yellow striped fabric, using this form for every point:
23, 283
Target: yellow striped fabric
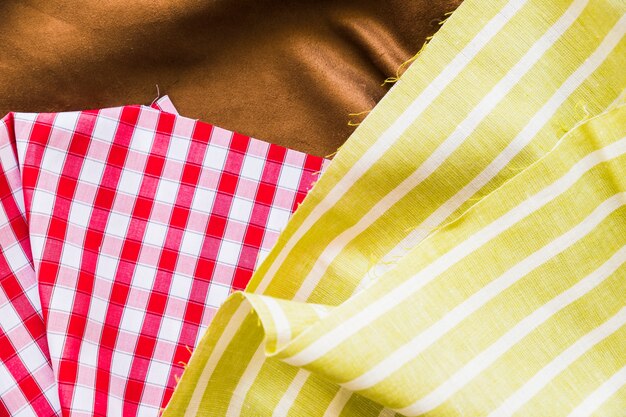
463, 254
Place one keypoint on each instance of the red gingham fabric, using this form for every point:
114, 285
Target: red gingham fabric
122, 230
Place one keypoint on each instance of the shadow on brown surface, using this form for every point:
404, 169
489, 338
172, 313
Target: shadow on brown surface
288, 72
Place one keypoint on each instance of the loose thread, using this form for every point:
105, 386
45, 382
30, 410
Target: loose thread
157, 96
582, 105
402, 67
329, 156
447, 15
351, 123
391, 80
429, 229
359, 113
370, 276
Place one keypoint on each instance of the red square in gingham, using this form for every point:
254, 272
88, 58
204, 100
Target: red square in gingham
122, 230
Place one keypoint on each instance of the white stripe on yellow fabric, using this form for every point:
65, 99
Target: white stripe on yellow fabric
362, 319
558, 364
621, 99
338, 403
388, 138
245, 382
283, 328
286, 401
320, 310
386, 412
600, 395
229, 332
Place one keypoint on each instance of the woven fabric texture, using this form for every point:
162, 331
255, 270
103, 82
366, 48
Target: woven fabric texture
463, 253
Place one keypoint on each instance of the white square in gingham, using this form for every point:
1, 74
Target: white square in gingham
142, 140
61, 298
277, 218
5, 381
130, 182
66, 121
229, 253
157, 373
178, 148
167, 191
203, 200
191, 241
120, 365
79, 214
241, 209
105, 128
16, 256
10, 319
106, 268
83, 398
117, 224
43, 201
92, 171
170, 329
217, 295
289, 177
155, 234
131, 320
215, 158
252, 167
144, 277
53, 160
88, 354
181, 285
71, 256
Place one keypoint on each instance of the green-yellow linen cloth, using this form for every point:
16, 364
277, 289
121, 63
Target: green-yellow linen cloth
463, 254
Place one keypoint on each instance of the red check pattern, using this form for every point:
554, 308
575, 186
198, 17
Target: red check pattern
122, 230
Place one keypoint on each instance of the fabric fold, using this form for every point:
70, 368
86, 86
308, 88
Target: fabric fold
380, 340
493, 93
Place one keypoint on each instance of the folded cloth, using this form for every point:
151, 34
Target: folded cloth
392, 289
122, 230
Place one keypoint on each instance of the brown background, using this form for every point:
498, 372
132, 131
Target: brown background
288, 72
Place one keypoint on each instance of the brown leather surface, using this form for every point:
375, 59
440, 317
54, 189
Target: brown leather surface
288, 72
